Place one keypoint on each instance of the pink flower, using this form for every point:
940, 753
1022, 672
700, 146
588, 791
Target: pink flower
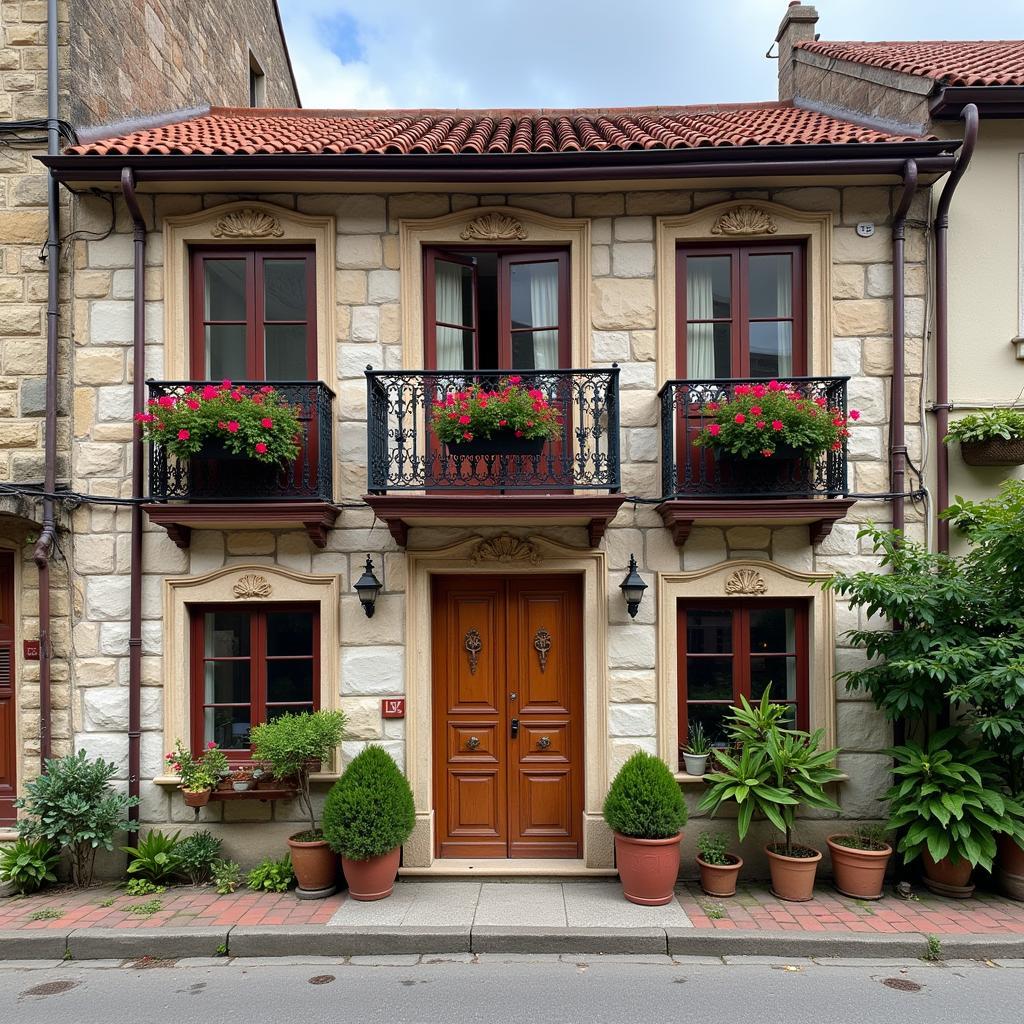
211, 745
854, 414
714, 430
759, 390
774, 385
515, 379
209, 392
464, 420
183, 435
167, 401
743, 389
261, 448
144, 417
739, 418
233, 426
266, 422
755, 410
761, 424
192, 404
266, 390
467, 436
819, 401
225, 385
712, 407
188, 389
776, 424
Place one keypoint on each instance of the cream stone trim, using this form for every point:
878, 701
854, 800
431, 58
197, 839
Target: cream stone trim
749, 220
512, 225
221, 587
765, 580
552, 557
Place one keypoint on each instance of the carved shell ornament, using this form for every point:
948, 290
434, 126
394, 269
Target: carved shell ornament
746, 581
745, 220
505, 548
252, 586
248, 223
494, 227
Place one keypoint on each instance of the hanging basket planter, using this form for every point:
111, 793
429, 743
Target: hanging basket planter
995, 451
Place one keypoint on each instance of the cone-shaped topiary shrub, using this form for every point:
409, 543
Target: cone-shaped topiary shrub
645, 801
369, 810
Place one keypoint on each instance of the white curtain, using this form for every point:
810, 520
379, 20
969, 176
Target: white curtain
700, 338
784, 299
448, 300
544, 310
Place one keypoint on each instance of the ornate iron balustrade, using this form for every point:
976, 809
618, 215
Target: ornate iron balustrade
404, 455
688, 471
230, 478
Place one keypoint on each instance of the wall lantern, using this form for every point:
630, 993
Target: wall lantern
633, 588
368, 587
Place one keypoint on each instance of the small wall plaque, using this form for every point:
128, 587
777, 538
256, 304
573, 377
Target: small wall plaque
30, 650
392, 707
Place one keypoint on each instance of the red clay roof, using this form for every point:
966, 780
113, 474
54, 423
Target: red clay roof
993, 62
231, 131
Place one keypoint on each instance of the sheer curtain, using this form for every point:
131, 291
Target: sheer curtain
448, 284
544, 311
700, 338
784, 302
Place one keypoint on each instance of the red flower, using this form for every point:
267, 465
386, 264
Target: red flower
211, 745
776, 424
467, 436
759, 390
755, 410
519, 433
766, 452
743, 389
266, 422
714, 430
739, 418
183, 435
464, 420
225, 385
188, 389
209, 392
266, 390
261, 448
712, 406
192, 404
761, 424
515, 379
819, 401
502, 423
233, 426
854, 414
167, 401
144, 417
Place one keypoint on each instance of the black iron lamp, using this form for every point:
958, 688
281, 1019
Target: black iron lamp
633, 588
368, 587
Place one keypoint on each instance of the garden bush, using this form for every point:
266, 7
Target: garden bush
644, 800
272, 875
29, 863
197, 855
156, 858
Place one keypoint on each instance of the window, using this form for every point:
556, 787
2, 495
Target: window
253, 314
741, 311
728, 650
257, 83
248, 666
497, 309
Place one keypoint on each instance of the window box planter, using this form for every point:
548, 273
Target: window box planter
995, 451
505, 443
788, 471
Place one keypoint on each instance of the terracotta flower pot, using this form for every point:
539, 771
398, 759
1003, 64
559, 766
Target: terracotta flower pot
858, 873
946, 878
196, 798
720, 879
372, 879
648, 868
1009, 870
315, 866
793, 877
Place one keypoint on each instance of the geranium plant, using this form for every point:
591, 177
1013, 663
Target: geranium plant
479, 412
197, 773
254, 423
761, 419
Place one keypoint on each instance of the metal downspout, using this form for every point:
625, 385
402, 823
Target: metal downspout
138, 402
941, 225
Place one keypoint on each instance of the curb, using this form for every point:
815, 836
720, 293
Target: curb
131, 944
50, 944
499, 939
317, 940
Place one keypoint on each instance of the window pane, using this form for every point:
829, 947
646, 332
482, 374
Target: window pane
709, 678
284, 282
287, 709
289, 633
708, 632
708, 287
534, 294
535, 350
227, 727
285, 352
453, 293
778, 673
224, 289
227, 634
712, 717
772, 630
289, 680
225, 352
454, 349
770, 285
771, 349
708, 351
226, 682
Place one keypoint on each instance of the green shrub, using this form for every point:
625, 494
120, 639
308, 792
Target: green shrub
644, 800
197, 854
142, 887
369, 810
227, 876
73, 805
156, 857
28, 863
713, 848
272, 875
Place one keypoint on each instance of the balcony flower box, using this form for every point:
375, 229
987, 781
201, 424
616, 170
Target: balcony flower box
502, 443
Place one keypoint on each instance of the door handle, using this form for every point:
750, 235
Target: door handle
515, 727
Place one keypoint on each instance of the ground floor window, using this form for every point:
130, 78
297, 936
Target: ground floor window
249, 666
729, 649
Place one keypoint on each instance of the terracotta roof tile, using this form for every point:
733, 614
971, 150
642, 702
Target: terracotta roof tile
959, 63
231, 131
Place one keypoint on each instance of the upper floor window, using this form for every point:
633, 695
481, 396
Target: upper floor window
494, 309
253, 314
741, 311
257, 83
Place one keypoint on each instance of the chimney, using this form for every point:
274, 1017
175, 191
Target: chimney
797, 25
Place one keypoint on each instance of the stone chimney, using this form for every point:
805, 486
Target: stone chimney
797, 25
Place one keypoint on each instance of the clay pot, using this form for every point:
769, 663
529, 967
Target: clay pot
372, 879
946, 878
196, 798
314, 864
858, 873
720, 879
793, 877
648, 868
1009, 870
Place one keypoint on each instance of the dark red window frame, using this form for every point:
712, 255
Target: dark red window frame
741, 654
740, 320
257, 658
8, 673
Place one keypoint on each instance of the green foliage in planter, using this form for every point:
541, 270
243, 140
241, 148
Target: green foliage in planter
197, 855
1006, 424
754, 723
369, 810
290, 744
713, 848
156, 857
197, 773
271, 875
644, 800
863, 837
227, 876
29, 863
478, 412
73, 805
699, 744
949, 799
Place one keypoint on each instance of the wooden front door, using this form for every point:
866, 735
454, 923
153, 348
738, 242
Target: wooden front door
8, 710
508, 716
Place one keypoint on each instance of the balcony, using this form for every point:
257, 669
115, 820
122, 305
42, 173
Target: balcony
700, 488
226, 492
415, 480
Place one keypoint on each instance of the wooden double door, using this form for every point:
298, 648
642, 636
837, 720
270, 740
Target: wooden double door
508, 716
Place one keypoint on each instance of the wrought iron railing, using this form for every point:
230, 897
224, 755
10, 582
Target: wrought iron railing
689, 471
404, 454
223, 478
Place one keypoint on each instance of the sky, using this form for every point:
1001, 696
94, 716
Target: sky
582, 53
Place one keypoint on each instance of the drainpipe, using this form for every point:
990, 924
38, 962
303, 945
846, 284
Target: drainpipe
897, 429
138, 402
48, 535
970, 117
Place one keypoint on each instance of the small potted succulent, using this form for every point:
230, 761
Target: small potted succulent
697, 750
991, 438
199, 776
719, 868
368, 815
242, 780
646, 811
859, 861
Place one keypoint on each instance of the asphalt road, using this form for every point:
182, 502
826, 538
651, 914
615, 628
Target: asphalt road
498, 989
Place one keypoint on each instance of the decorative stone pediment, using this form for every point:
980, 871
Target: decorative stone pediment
252, 586
746, 581
494, 227
745, 220
248, 223
504, 549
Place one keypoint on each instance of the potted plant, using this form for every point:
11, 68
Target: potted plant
859, 861
292, 745
992, 438
368, 815
199, 776
511, 419
719, 868
949, 799
242, 780
697, 750
646, 811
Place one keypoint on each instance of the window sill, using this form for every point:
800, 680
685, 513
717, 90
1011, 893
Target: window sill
695, 780
175, 781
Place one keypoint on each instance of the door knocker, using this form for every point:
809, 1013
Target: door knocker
544, 742
473, 645
542, 642
473, 742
